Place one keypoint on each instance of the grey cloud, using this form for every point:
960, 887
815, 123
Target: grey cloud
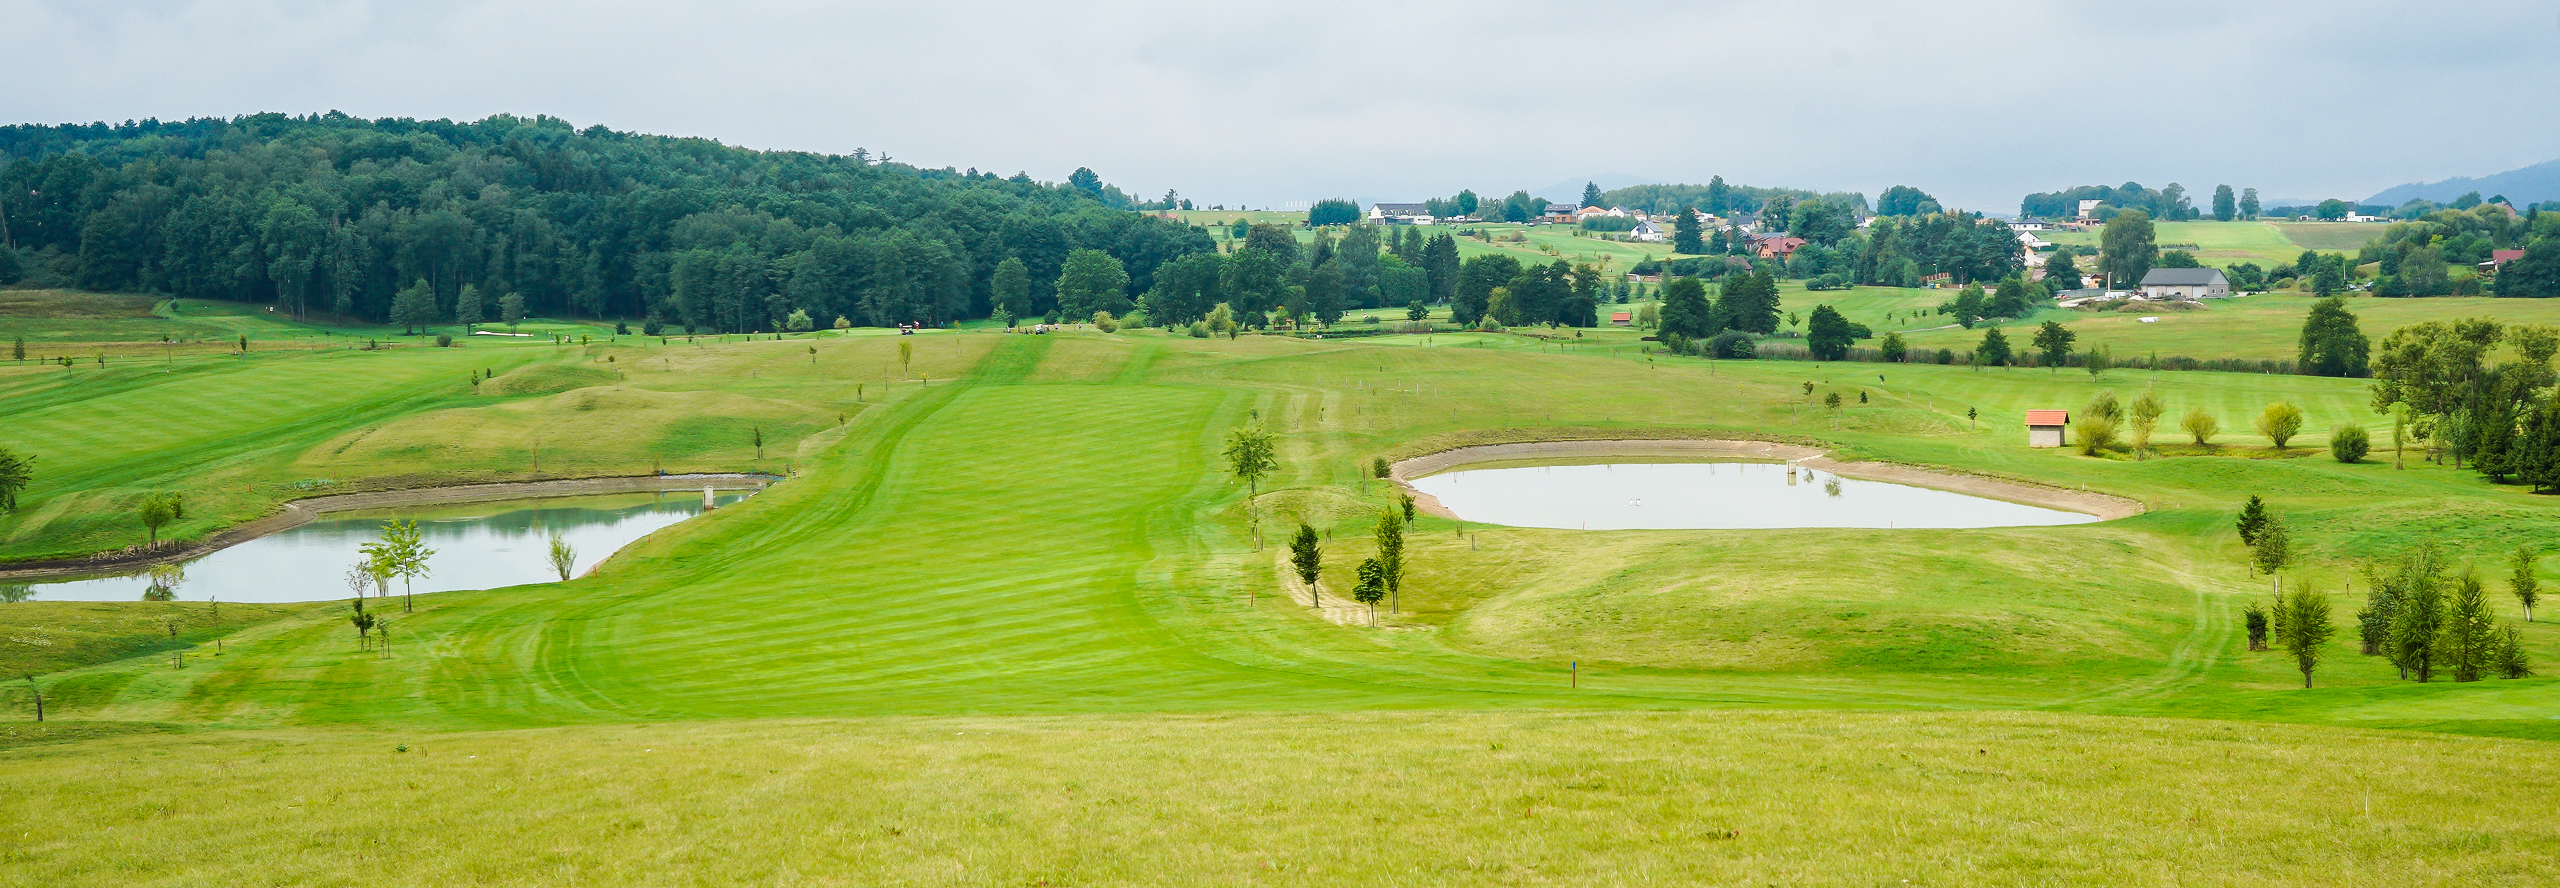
1258, 103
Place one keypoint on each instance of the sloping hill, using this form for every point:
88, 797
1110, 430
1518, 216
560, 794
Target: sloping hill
2533, 184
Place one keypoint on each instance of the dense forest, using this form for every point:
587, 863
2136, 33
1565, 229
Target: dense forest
335, 213
1718, 198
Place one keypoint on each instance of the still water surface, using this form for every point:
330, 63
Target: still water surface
478, 546
1719, 496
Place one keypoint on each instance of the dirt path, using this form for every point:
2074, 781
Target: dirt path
1338, 609
299, 512
2102, 505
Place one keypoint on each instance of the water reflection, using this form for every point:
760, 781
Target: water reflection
1727, 496
477, 545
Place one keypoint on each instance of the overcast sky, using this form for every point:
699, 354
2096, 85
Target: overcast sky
1258, 103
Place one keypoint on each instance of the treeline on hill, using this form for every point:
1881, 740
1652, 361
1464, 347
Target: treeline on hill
1343, 268
1716, 197
335, 213
2440, 253
2168, 204
1893, 251
2434, 380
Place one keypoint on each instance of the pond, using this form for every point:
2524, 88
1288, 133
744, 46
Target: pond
482, 545
1712, 495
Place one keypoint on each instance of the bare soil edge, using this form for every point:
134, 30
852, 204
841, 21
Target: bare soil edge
2105, 507
299, 512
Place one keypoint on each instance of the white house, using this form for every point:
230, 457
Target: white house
1399, 214
2089, 209
1645, 231
2185, 283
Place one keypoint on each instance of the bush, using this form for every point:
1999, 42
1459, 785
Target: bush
621, 328
1199, 329
444, 341
652, 326
1946, 356
1732, 344
2280, 422
2350, 443
2200, 425
1827, 282
2094, 433
1103, 321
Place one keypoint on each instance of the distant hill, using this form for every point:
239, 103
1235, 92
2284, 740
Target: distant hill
2530, 185
1570, 190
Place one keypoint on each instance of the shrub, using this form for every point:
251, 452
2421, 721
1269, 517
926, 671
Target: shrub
2094, 432
444, 341
2200, 425
652, 326
1103, 321
2280, 422
2105, 405
1946, 356
1199, 329
2255, 615
2350, 443
1733, 344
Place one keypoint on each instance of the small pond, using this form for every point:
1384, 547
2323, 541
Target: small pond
1712, 495
481, 545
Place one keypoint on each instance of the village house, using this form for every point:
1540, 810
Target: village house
1645, 231
2185, 283
1775, 246
2044, 427
1399, 214
2499, 258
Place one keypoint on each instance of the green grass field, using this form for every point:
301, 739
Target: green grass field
2227, 243
1006, 626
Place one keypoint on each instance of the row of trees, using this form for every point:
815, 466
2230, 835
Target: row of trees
340, 214
2428, 623
2169, 203
1504, 290
2436, 254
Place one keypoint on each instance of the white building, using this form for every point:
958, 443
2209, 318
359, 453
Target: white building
1399, 214
2185, 283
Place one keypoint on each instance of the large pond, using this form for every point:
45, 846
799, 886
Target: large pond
481, 545
1712, 495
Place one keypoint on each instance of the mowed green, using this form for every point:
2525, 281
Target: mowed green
1467, 798
2264, 326
1022, 595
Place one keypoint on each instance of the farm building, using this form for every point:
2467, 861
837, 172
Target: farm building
2185, 283
1399, 214
2044, 427
1622, 318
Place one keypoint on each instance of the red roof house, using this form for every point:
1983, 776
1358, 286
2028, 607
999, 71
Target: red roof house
2044, 427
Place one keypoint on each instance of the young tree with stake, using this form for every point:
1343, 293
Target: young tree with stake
1390, 534
1372, 586
1306, 557
2303, 629
1250, 455
563, 558
2520, 578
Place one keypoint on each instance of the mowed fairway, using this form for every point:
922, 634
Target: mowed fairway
1005, 624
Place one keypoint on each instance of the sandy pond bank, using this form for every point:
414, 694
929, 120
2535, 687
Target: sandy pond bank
2103, 506
302, 511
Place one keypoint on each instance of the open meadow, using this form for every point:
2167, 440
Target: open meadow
1004, 622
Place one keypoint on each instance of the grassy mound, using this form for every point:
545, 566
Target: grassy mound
544, 379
